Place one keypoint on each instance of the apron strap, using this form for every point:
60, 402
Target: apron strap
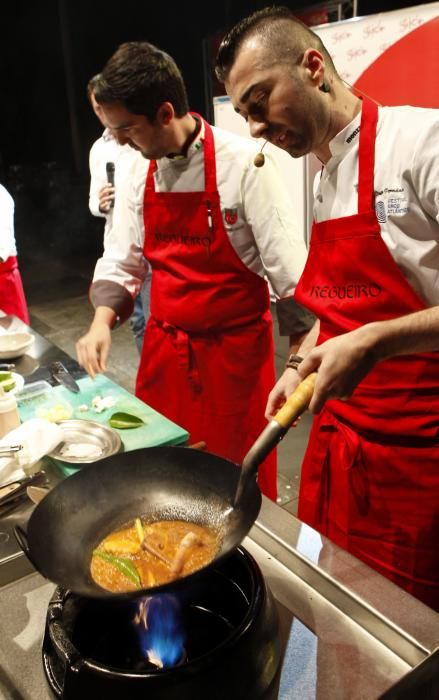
182, 344
149, 184
366, 155
209, 158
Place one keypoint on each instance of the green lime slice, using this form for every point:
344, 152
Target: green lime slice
5, 375
124, 421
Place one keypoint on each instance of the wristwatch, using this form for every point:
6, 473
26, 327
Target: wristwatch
293, 361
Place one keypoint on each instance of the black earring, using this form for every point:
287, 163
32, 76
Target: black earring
325, 87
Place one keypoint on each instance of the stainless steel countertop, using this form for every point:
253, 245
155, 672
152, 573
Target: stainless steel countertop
34, 367
351, 633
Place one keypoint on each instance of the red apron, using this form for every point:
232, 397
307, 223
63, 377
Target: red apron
370, 477
12, 299
208, 357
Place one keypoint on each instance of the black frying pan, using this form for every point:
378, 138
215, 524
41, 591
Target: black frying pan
158, 483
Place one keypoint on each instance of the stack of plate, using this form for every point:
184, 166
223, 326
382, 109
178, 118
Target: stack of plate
14, 345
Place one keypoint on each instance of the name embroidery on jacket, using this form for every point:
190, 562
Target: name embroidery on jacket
348, 291
184, 238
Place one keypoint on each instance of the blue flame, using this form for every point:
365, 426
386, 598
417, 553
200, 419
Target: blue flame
161, 630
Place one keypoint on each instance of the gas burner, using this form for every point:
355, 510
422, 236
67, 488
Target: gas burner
229, 646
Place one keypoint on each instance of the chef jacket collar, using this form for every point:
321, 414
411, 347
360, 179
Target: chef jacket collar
192, 144
108, 136
343, 142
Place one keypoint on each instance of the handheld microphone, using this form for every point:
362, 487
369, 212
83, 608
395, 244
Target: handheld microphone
110, 168
259, 158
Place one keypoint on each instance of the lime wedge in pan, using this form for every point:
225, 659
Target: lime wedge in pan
124, 421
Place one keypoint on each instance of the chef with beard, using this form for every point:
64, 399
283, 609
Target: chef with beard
370, 477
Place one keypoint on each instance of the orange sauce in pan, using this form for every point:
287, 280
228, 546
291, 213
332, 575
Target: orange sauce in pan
153, 554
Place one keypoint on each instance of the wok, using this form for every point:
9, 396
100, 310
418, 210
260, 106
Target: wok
156, 483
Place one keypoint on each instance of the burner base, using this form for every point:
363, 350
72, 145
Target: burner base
232, 647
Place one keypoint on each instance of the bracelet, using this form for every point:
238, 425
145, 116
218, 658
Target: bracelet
293, 361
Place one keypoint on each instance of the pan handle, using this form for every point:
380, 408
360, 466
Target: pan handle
198, 445
297, 403
279, 425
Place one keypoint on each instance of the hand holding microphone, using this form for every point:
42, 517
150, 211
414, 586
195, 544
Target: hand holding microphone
110, 168
106, 193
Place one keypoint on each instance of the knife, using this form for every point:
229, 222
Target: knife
9, 449
37, 493
16, 489
63, 377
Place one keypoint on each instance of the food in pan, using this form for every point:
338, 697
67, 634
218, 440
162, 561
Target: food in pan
144, 555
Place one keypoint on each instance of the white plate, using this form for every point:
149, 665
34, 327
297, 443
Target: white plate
19, 383
14, 344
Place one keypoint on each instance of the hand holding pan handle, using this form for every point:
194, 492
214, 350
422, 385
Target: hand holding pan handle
293, 407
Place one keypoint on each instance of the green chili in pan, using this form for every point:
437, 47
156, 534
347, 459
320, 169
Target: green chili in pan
125, 566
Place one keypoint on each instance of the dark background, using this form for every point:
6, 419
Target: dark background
49, 50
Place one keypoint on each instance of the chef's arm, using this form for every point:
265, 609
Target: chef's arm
114, 285
289, 380
342, 362
294, 320
296, 341
93, 348
417, 332
309, 340
113, 305
118, 274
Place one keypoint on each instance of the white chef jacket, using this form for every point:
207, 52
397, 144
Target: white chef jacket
7, 236
406, 185
263, 232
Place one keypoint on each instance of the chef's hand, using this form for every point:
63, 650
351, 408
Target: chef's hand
93, 348
106, 197
341, 363
281, 391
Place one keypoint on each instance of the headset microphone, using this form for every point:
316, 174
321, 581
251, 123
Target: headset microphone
259, 158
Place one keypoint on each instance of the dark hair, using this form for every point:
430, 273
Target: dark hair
142, 77
285, 35
92, 83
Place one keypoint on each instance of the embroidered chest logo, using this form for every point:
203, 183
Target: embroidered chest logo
380, 209
230, 216
392, 201
397, 206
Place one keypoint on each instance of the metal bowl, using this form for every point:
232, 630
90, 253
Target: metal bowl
86, 432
